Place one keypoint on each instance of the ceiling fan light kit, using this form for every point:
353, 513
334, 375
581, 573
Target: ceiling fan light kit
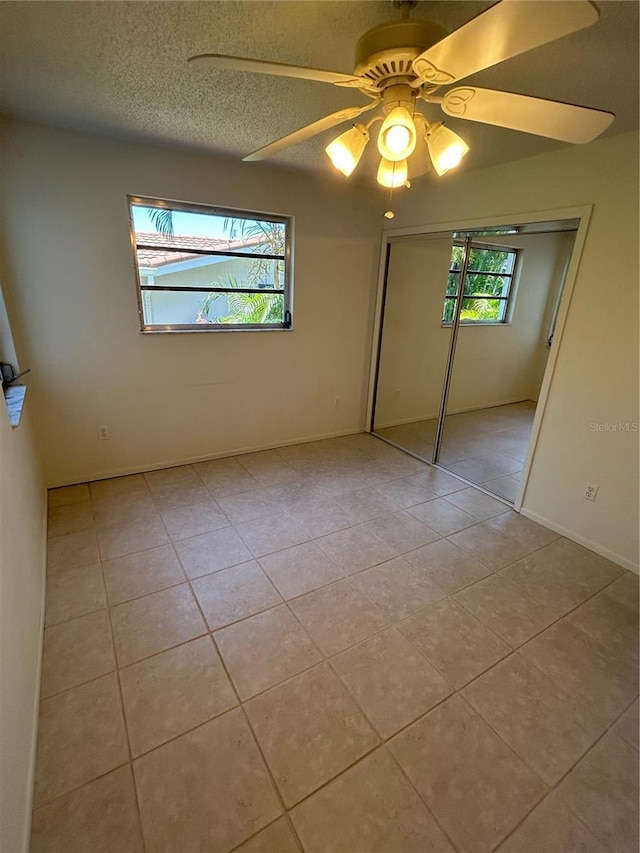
403, 63
346, 150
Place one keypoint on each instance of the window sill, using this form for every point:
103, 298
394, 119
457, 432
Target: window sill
14, 398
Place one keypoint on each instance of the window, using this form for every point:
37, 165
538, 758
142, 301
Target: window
202, 269
487, 287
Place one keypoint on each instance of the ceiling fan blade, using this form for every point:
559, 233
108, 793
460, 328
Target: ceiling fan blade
279, 69
529, 115
307, 132
505, 30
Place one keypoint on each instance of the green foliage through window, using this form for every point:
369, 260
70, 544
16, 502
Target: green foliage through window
487, 285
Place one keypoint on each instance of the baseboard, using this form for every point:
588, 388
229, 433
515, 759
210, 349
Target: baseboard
189, 460
36, 711
582, 540
415, 420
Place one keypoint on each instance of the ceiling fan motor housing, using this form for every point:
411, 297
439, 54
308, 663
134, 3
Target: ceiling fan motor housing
387, 51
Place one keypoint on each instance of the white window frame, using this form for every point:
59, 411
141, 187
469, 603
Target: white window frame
509, 299
232, 213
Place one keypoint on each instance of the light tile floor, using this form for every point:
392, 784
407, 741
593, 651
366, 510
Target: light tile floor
485, 446
329, 647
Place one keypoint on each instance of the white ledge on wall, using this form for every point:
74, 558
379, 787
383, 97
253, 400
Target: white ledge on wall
14, 398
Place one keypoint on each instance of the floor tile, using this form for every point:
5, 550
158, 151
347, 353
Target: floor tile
184, 522
116, 486
211, 552
300, 569
371, 807
504, 487
233, 594
122, 538
392, 682
76, 651
552, 828
66, 495
101, 817
122, 509
138, 574
148, 625
628, 725
538, 720
397, 588
180, 496
80, 736
603, 684
271, 533
523, 530
454, 641
175, 487
268, 468
356, 548
276, 838
337, 616
490, 547
74, 592
225, 477
207, 790
170, 693
337, 484
365, 504
263, 650
451, 568
438, 482
310, 729
322, 517
476, 503
624, 590
404, 492
402, 532
70, 518
507, 609
602, 790
72, 551
563, 573
248, 506
611, 623
476, 787
443, 517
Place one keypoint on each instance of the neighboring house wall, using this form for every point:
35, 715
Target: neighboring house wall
171, 398
596, 375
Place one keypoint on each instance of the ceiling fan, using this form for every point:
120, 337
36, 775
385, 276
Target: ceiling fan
404, 64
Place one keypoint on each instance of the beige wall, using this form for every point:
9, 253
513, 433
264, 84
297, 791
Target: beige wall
171, 398
22, 552
596, 375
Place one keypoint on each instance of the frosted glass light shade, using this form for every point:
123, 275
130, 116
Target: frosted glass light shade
392, 174
446, 149
346, 150
397, 137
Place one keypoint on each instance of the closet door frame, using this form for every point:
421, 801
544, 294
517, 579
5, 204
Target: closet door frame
395, 235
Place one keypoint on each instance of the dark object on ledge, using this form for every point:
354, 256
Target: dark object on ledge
8, 376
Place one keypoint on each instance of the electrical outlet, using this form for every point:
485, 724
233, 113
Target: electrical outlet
103, 433
590, 492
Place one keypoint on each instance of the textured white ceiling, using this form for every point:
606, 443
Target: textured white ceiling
119, 68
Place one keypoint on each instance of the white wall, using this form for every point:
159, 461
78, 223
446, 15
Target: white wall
22, 558
596, 375
171, 398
